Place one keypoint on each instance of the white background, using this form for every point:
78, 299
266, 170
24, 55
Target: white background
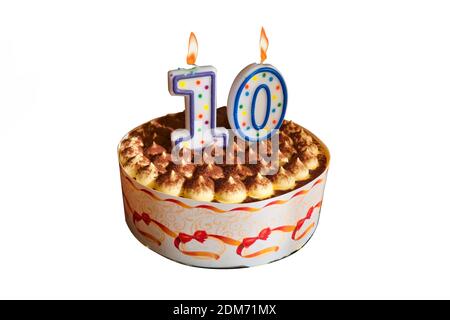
370, 78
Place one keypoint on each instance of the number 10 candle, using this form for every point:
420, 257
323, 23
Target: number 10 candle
256, 103
198, 86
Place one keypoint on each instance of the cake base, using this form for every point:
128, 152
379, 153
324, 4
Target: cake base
142, 240
218, 235
215, 235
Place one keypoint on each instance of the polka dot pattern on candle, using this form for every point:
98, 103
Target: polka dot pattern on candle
198, 87
258, 103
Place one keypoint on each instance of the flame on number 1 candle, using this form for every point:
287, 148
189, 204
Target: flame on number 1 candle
192, 49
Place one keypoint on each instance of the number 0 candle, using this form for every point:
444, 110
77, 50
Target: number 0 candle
258, 99
198, 86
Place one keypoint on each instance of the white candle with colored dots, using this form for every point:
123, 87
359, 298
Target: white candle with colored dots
258, 99
198, 86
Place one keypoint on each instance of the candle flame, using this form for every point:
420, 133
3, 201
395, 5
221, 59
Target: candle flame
263, 44
192, 50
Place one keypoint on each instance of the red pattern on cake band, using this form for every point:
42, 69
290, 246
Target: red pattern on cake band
217, 210
144, 217
265, 233
201, 235
301, 222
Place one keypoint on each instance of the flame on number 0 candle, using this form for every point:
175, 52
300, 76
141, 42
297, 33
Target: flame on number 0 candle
263, 45
192, 49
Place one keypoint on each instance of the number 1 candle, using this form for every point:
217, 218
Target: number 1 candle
258, 99
198, 86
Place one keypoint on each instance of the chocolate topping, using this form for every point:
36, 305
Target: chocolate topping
299, 152
131, 152
147, 175
285, 138
184, 169
133, 141
140, 161
309, 151
210, 170
154, 149
298, 169
287, 149
265, 147
238, 171
290, 127
282, 158
170, 178
257, 180
283, 180
199, 184
230, 185
162, 161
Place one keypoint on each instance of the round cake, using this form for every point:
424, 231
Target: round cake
194, 209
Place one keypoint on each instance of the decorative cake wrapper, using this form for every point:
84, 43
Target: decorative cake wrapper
217, 235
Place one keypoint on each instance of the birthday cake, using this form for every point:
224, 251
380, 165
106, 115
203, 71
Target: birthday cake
146, 156
224, 187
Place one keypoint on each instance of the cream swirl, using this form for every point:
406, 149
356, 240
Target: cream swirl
154, 149
162, 161
259, 187
213, 154
282, 158
210, 170
310, 151
170, 183
251, 156
199, 188
285, 138
298, 169
312, 163
147, 175
184, 168
283, 180
263, 167
132, 166
238, 171
265, 147
129, 152
287, 149
133, 141
238, 147
305, 138
309, 156
231, 190
290, 127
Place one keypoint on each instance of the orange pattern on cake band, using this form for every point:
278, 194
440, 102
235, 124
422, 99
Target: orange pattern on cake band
201, 235
151, 237
217, 210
